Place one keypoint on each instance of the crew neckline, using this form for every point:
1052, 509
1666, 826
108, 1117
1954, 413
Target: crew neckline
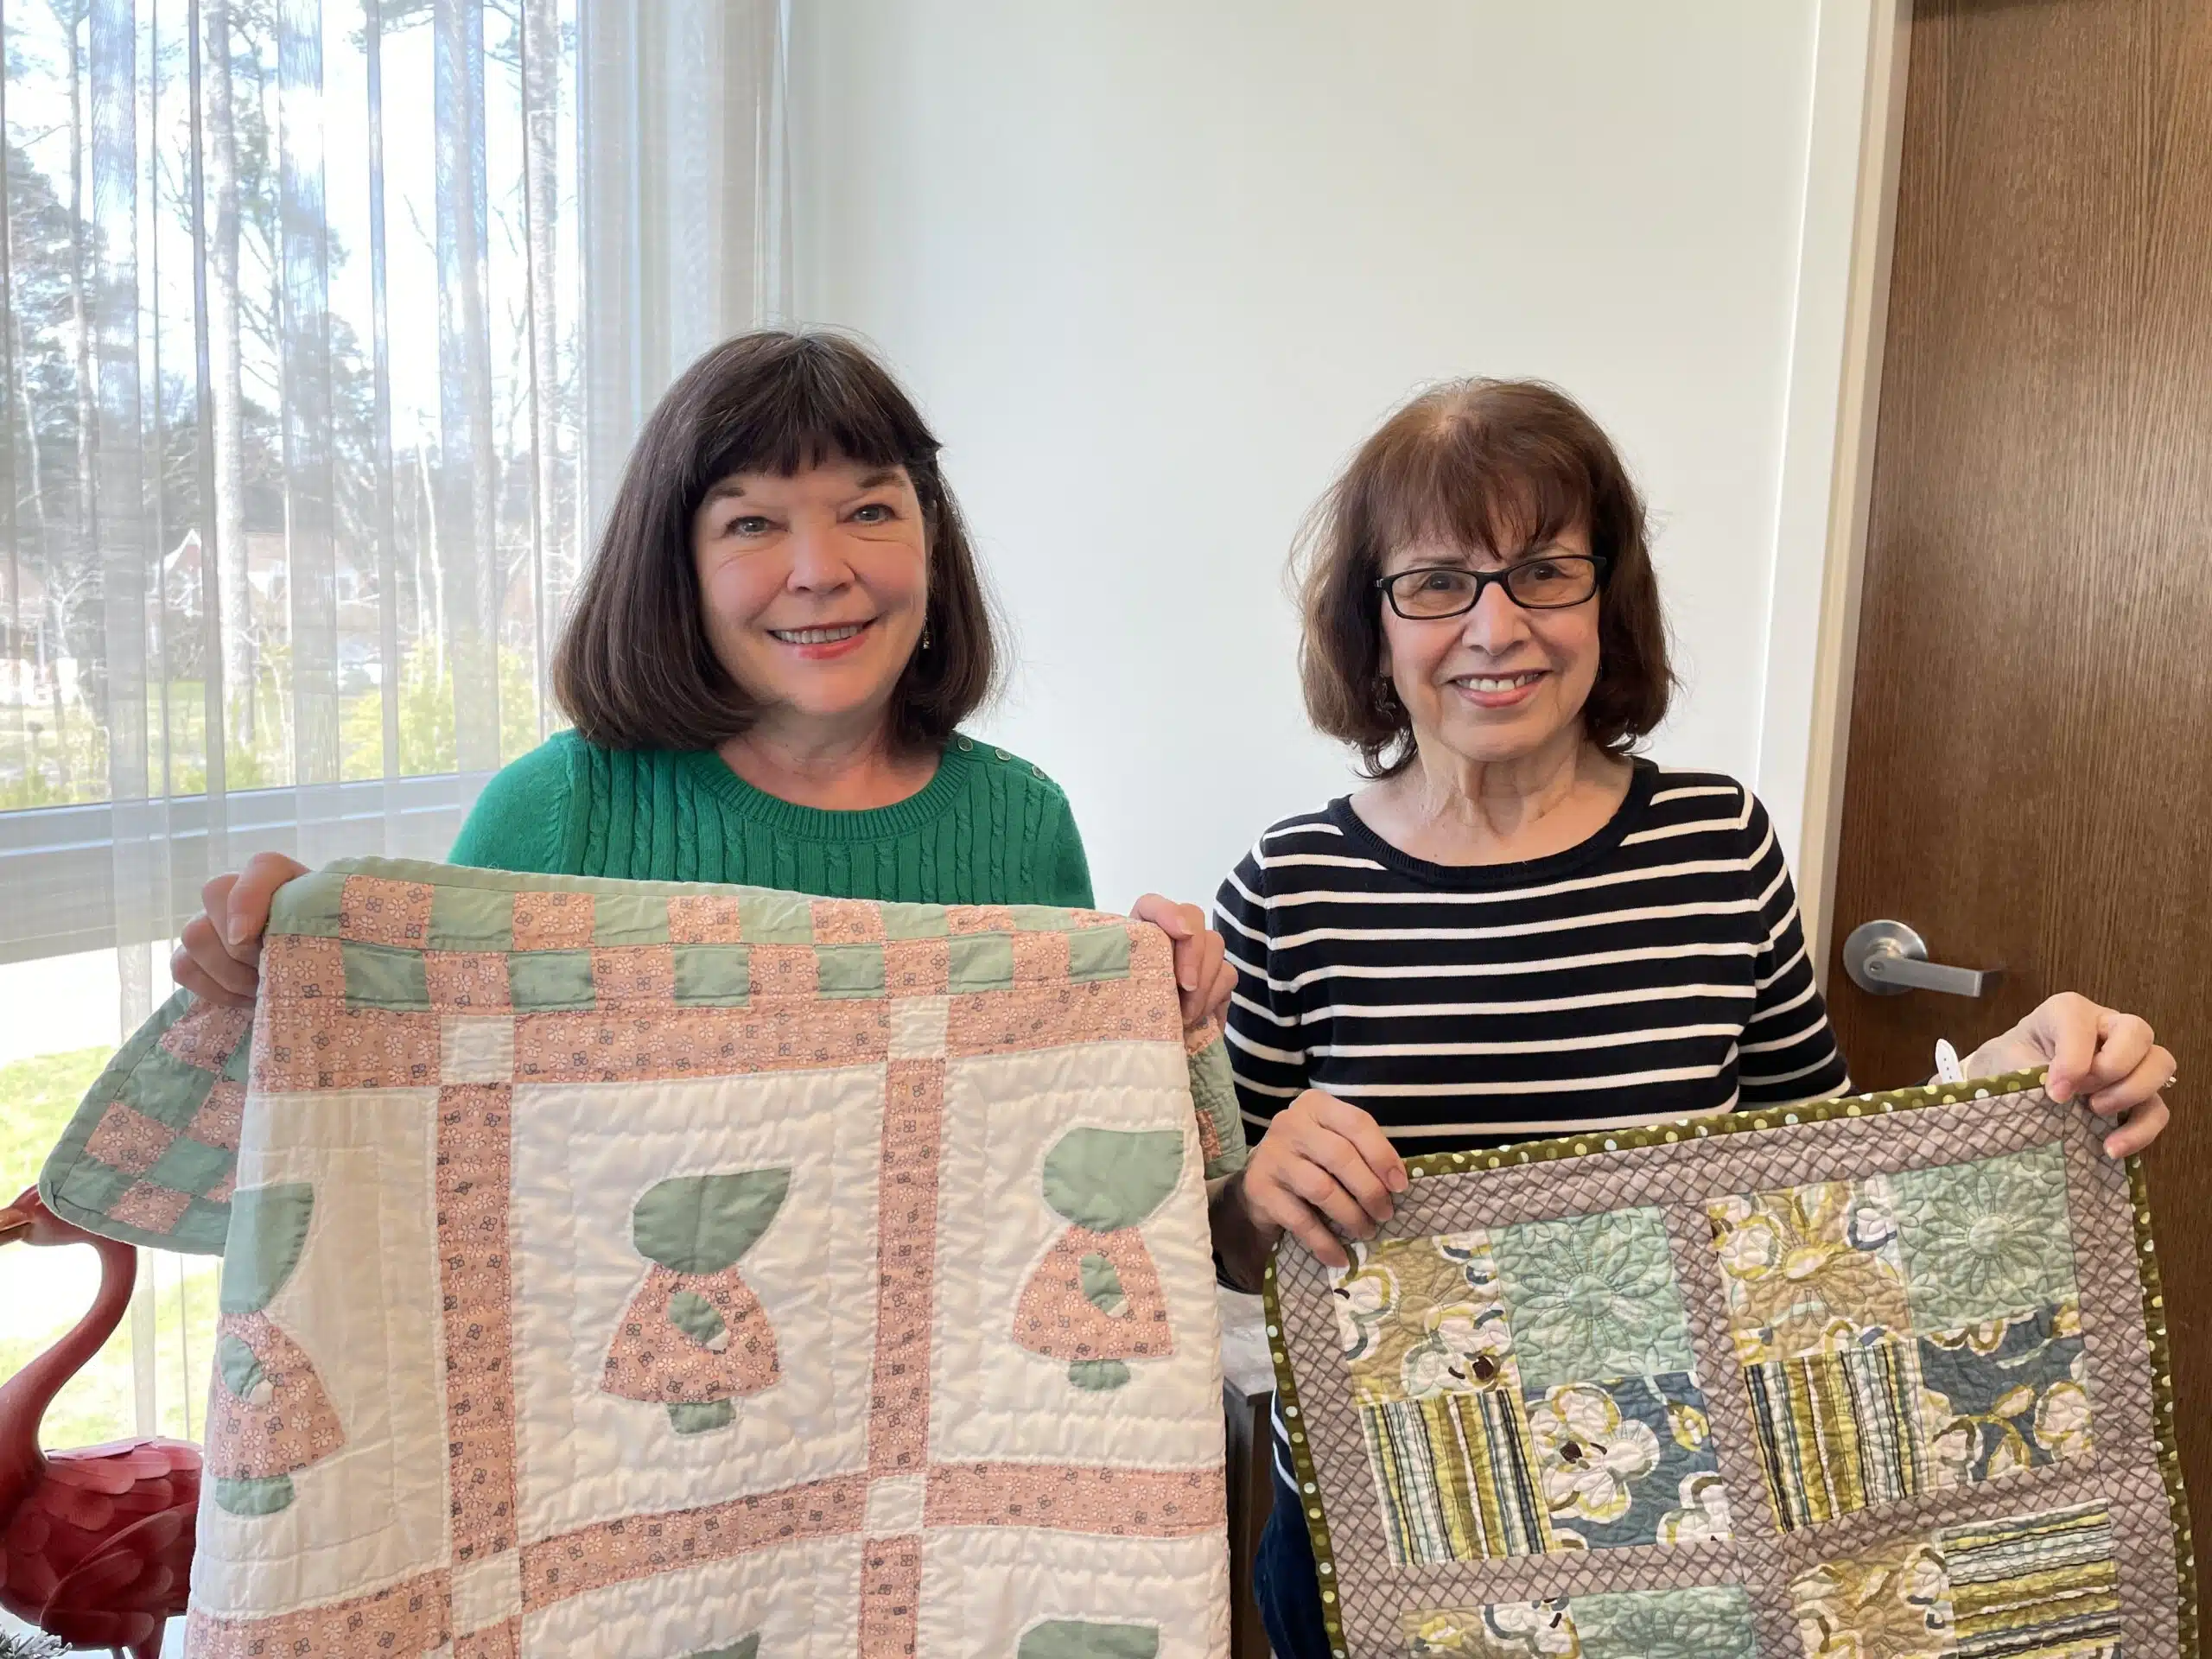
1523, 873
928, 803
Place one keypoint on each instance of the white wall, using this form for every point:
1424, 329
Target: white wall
1155, 267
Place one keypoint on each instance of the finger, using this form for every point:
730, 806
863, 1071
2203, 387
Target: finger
2068, 1025
1271, 1207
1318, 1187
2150, 1074
2123, 1041
1304, 1223
200, 945
1325, 1246
2145, 1124
1170, 918
1345, 1162
1216, 980
1218, 995
215, 899
1189, 956
1358, 1126
190, 975
249, 901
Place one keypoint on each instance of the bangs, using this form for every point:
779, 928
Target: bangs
1477, 482
810, 400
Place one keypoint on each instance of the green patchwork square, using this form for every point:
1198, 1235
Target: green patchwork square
471, 919
541, 982
385, 976
187, 1166
309, 904
775, 919
979, 962
1713, 1621
205, 1226
849, 970
239, 1066
629, 918
1043, 918
94, 1186
1099, 953
166, 1089
1984, 1239
1592, 1298
915, 922
712, 975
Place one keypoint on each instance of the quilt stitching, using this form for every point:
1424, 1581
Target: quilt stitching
616, 981
475, 992
2019, 1337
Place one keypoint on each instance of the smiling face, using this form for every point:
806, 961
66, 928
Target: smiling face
1499, 683
815, 589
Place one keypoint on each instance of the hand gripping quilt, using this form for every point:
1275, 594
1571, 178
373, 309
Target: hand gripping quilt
640, 1269
1876, 1378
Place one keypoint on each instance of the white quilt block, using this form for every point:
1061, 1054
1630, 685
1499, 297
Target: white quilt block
626, 1269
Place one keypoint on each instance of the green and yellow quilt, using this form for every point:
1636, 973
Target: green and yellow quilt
1878, 1378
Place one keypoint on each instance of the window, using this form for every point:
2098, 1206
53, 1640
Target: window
305, 423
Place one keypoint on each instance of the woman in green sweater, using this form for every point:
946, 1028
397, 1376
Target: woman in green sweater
767, 667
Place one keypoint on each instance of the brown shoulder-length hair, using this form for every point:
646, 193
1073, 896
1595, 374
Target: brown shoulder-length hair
1494, 466
634, 669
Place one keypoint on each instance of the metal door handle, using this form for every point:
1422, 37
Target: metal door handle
1888, 959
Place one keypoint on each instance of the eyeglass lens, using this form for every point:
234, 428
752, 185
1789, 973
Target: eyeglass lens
1540, 584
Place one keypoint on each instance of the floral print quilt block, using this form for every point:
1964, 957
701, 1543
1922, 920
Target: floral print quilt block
1627, 1462
1598, 1441
1701, 1622
2004, 1396
1810, 1268
1906, 1333
1419, 1316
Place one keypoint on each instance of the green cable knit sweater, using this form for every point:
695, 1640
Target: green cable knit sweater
987, 829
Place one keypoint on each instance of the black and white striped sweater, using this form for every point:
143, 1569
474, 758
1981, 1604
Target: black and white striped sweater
1655, 971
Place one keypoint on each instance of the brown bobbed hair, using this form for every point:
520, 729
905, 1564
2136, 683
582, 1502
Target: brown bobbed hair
1492, 466
634, 669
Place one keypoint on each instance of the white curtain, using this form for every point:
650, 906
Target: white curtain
324, 328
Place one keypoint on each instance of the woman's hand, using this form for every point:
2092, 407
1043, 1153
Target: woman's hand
1202, 974
218, 954
1321, 1160
2110, 1061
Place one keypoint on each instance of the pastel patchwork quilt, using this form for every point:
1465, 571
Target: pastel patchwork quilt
1878, 1378
633, 1269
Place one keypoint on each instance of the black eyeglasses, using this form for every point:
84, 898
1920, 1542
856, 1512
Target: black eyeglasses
1551, 583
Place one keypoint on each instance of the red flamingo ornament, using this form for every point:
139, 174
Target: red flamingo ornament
95, 1545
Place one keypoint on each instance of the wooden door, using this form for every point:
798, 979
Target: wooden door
2030, 769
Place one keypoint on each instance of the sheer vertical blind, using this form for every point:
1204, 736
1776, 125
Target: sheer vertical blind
325, 326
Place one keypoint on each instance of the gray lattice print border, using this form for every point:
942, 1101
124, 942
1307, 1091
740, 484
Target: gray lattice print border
2132, 1466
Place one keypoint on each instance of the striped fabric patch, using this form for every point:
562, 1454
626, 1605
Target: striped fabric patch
1453, 1476
1840, 1431
2042, 1585
2032, 1587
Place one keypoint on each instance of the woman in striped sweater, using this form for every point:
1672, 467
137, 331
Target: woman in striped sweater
1517, 928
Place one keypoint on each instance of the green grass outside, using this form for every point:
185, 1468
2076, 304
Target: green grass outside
179, 731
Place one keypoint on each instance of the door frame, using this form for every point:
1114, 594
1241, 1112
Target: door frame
1862, 51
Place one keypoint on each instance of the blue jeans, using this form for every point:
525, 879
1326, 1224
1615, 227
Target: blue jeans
1284, 1583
